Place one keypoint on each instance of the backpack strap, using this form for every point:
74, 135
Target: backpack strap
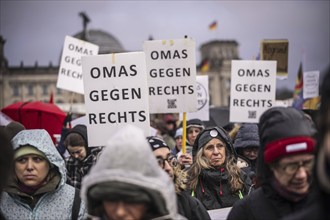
76, 205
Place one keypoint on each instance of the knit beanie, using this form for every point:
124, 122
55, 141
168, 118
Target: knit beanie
247, 136
195, 122
284, 132
209, 133
25, 150
156, 143
178, 133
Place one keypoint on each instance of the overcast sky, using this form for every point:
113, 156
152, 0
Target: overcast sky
35, 30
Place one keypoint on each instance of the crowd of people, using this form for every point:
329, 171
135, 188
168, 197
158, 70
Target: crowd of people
277, 168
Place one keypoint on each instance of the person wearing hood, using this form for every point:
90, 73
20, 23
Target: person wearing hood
188, 206
127, 182
247, 144
215, 178
37, 188
319, 209
82, 157
284, 166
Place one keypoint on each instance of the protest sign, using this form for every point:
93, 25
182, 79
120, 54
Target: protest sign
171, 69
116, 93
277, 50
253, 87
70, 72
311, 84
203, 98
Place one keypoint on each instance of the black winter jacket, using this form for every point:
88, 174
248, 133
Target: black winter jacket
265, 203
191, 208
213, 189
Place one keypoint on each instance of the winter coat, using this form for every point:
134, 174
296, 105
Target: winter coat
77, 169
265, 202
191, 208
247, 136
53, 204
214, 195
128, 159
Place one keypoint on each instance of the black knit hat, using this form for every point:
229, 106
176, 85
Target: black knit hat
156, 143
247, 136
209, 133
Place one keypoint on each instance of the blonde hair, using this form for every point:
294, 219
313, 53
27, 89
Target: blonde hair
201, 163
180, 179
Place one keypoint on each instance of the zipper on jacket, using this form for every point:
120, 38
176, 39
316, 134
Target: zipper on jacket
220, 189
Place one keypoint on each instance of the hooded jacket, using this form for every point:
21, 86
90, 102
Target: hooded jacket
265, 202
77, 169
213, 188
52, 204
128, 159
247, 136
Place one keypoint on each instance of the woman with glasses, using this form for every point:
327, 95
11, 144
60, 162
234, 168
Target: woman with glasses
188, 206
284, 166
215, 179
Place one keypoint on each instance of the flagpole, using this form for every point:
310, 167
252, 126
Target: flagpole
184, 132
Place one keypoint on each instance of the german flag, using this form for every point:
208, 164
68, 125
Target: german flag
213, 25
205, 66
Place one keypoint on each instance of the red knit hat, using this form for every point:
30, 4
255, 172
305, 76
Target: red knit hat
288, 146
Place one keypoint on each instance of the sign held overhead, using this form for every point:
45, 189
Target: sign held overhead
277, 50
171, 69
115, 94
253, 87
70, 73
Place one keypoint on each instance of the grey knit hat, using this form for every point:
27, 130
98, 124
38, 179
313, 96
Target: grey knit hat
247, 136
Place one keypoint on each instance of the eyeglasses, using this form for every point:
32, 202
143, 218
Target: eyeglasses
292, 168
171, 160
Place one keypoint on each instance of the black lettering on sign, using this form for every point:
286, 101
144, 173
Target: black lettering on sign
72, 60
169, 54
170, 72
117, 117
253, 73
80, 49
113, 71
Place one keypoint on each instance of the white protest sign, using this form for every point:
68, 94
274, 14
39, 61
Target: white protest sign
171, 69
311, 84
116, 93
203, 100
253, 88
70, 73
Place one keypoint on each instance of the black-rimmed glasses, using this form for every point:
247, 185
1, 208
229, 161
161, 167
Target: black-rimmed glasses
292, 168
171, 160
